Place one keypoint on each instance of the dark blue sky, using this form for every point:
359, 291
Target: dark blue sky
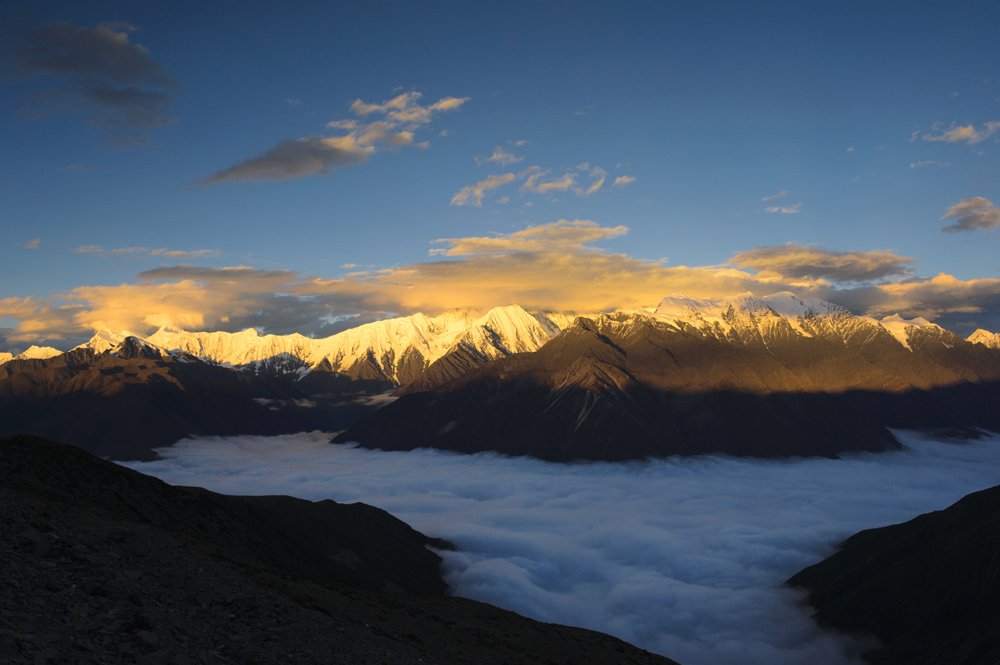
149, 146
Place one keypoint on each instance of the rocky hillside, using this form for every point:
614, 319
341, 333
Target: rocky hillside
102, 564
928, 589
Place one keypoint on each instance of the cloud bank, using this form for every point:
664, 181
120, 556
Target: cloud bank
682, 556
99, 72
555, 266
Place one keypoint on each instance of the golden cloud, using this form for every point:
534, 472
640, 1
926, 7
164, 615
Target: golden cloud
799, 262
554, 266
473, 194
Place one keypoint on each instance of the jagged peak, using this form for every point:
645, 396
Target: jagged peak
986, 338
32, 353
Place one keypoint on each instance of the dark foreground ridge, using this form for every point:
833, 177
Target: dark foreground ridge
102, 564
928, 590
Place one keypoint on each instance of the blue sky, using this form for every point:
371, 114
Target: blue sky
176, 163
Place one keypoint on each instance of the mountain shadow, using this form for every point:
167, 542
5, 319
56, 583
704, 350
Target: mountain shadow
125, 402
628, 387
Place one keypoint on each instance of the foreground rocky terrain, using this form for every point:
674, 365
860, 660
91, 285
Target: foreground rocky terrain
104, 565
927, 591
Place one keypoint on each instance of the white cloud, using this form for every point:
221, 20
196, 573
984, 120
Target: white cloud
33, 244
682, 556
914, 165
623, 180
783, 192
784, 210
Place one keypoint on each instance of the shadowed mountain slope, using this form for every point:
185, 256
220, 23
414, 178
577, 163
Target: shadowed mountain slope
631, 385
928, 589
126, 401
103, 564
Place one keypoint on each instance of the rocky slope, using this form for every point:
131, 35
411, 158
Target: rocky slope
102, 564
741, 375
928, 590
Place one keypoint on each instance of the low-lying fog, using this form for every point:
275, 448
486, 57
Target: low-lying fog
683, 556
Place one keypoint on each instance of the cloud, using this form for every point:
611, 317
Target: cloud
957, 134
532, 184
99, 72
784, 210
783, 192
804, 262
850, 149
558, 266
972, 214
142, 251
406, 110
914, 165
685, 557
499, 156
559, 236
318, 155
293, 101
535, 183
295, 158
623, 180
33, 244
597, 173
474, 194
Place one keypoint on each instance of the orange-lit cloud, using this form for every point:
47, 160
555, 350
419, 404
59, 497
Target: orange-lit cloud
972, 214
557, 266
317, 155
800, 262
473, 194
968, 133
499, 156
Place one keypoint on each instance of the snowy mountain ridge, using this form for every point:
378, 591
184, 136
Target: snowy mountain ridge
745, 317
395, 350
986, 338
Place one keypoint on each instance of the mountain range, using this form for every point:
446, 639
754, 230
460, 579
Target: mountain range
779, 375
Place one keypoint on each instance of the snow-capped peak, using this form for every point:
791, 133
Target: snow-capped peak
31, 353
899, 327
986, 338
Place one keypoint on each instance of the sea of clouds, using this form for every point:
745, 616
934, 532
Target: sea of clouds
682, 556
